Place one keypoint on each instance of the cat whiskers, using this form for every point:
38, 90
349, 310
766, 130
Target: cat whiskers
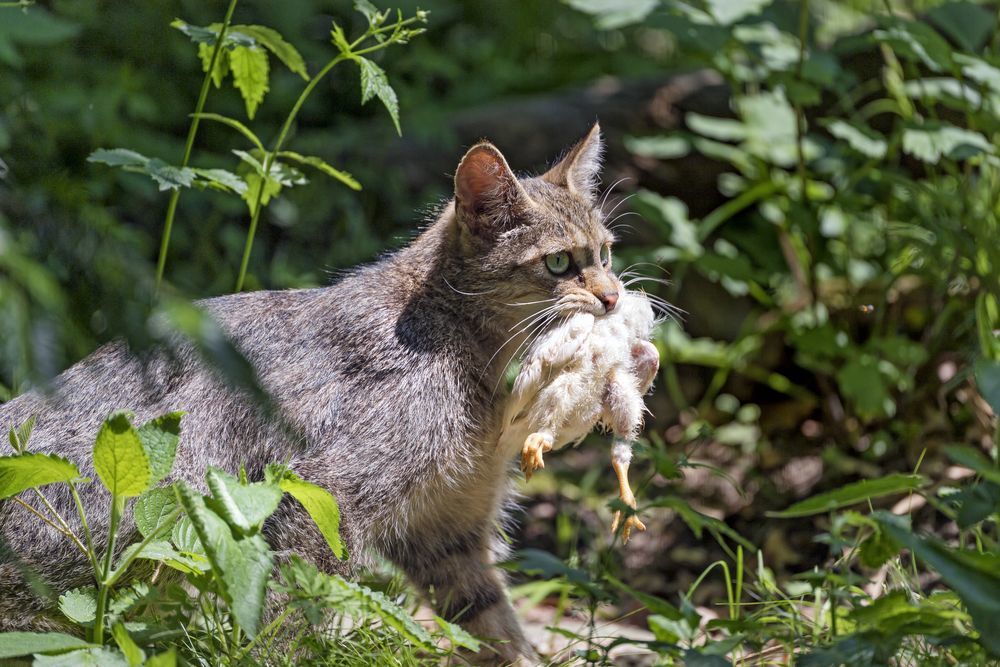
607, 193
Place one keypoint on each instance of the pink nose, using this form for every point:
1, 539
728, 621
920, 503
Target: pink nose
609, 299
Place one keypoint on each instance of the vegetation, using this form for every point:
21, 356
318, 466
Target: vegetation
825, 423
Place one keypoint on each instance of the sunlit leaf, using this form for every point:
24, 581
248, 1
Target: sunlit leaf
374, 83
250, 75
26, 471
611, 14
272, 40
120, 459
327, 169
851, 494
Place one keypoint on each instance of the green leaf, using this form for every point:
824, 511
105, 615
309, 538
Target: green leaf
699, 522
931, 141
714, 127
370, 12
612, 14
14, 644
458, 637
273, 41
727, 12
988, 382
120, 459
974, 459
374, 83
862, 139
670, 214
89, 657
388, 612
160, 437
321, 506
133, 654
235, 124
166, 659
161, 551
20, 436
969, 24
198, 34
185, 537
244, 565
878, 548
654, 604
153, 508
79, 605
250, 75
26, 471
916, 41
220, 179
118, 157
318, 163
168, 176
974, 577
663, 148
243, 506
862, 383
852, 494
221, 68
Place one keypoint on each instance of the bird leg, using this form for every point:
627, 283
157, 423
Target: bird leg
620, 463
535, 445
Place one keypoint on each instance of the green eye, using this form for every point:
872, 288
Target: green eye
606, 255
557, 262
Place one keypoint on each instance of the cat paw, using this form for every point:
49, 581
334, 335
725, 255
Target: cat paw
535, 445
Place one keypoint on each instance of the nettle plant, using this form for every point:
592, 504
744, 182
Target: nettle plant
861, 224
241, 53
214, 606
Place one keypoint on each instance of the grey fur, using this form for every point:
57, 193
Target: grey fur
389, 379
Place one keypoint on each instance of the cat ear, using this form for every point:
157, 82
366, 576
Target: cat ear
578, 171
488, 195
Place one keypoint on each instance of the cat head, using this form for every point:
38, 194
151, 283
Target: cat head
533, 244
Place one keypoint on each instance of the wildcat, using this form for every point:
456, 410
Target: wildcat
391, 380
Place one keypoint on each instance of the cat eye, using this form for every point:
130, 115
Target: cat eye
606, 256
557, 263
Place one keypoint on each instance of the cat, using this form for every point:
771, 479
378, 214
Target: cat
391, 380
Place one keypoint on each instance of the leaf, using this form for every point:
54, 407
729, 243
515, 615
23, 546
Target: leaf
670, 214
862, 383
14, 644
198, 34
120, 459
714, 127
79, 605
160, 437
458, 637
318, 163
133, 654
235, 124
916, 41
220, 179
388, 612
663, 148
860, 138
988, 382
698, 522
974, 577
931, 141
89, 657
374, 83
970, 25
654, 604
185, 537
221, 68
243, 506
250, 75
878, 548
612, 14
974, 460
161, 551
321, 506
118, 157
728, 12
254, 184
273, 41
369, 10
153, 508
244, 565
168, 176
20, 436
851, 494
166, 659
26, 471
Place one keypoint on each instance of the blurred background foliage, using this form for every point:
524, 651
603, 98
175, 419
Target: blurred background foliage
817, 182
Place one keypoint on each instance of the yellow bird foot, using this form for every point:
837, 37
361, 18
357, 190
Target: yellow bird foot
632, 521
535, 445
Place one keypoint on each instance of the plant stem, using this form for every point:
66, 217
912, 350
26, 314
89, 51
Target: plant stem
166, 525
51, 523
168, 224
104, 587
58, 517
269, 160
86, 528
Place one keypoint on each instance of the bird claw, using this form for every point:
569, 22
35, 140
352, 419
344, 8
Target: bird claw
535, 445
631, 521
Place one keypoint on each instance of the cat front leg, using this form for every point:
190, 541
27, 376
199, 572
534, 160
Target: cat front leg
456, 573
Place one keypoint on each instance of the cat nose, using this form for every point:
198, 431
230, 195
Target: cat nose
609, 299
